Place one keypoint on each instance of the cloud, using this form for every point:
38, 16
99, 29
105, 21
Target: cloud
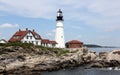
79, 36
51, 33
76, 27
7, 25
100, 14
37, 8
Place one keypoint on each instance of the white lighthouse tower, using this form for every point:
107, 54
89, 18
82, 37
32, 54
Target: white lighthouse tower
59, 37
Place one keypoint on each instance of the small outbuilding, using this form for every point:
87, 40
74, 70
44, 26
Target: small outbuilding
74, 44
3, 41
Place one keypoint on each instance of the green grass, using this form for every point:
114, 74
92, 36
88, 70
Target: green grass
30, 48
57, 51
62, 52
24, 45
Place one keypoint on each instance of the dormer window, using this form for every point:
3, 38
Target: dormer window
36, 36
16, 37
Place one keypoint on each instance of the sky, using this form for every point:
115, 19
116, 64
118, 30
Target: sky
89, 21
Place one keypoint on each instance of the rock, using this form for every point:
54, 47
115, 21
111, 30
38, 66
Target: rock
2, 68
114, 63
102, 55
98, 65
89, 57
9, 49
113, 55
19, 60
84, 50
24, 70
107, 59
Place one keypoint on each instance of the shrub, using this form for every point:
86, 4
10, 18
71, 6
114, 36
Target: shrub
1, 44
62, 52
24, 45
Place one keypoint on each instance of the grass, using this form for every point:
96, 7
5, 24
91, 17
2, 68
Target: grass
24, 45
62, 52
42, 50
57, 51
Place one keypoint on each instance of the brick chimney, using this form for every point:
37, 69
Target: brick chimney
33, 30
19, 29
26, 29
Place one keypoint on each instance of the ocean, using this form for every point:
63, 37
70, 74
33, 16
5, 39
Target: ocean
82, 71
97, 50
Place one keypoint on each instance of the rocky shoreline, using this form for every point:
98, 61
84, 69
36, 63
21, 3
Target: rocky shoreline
16, 60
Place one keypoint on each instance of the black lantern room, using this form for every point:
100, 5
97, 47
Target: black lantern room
59, 15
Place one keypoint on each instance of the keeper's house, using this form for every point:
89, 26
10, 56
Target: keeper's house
28, 36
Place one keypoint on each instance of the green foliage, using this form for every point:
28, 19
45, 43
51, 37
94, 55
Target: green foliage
1, 44
45, 48
56, 51
62, 52
30, 48
24, 45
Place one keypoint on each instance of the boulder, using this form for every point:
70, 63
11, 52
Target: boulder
89, 57
113, 55
107, 59
102, 55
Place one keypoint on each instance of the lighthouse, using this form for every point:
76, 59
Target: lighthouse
59, 37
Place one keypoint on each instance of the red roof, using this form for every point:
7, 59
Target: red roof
19, 35
36, 34
75, 42
45, 41
53, 42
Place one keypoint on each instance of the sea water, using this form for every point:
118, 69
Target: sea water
102, 49
83, 71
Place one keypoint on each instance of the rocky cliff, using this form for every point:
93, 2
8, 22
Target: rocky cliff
41, 59
17, 60
107, 59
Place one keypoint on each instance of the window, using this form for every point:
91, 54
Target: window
16, 37
30, 37
25, 41
33, 42
27, 37
36, 42
36, 36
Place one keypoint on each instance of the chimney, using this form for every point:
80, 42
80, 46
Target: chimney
19, 29
33, 30
26, 28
